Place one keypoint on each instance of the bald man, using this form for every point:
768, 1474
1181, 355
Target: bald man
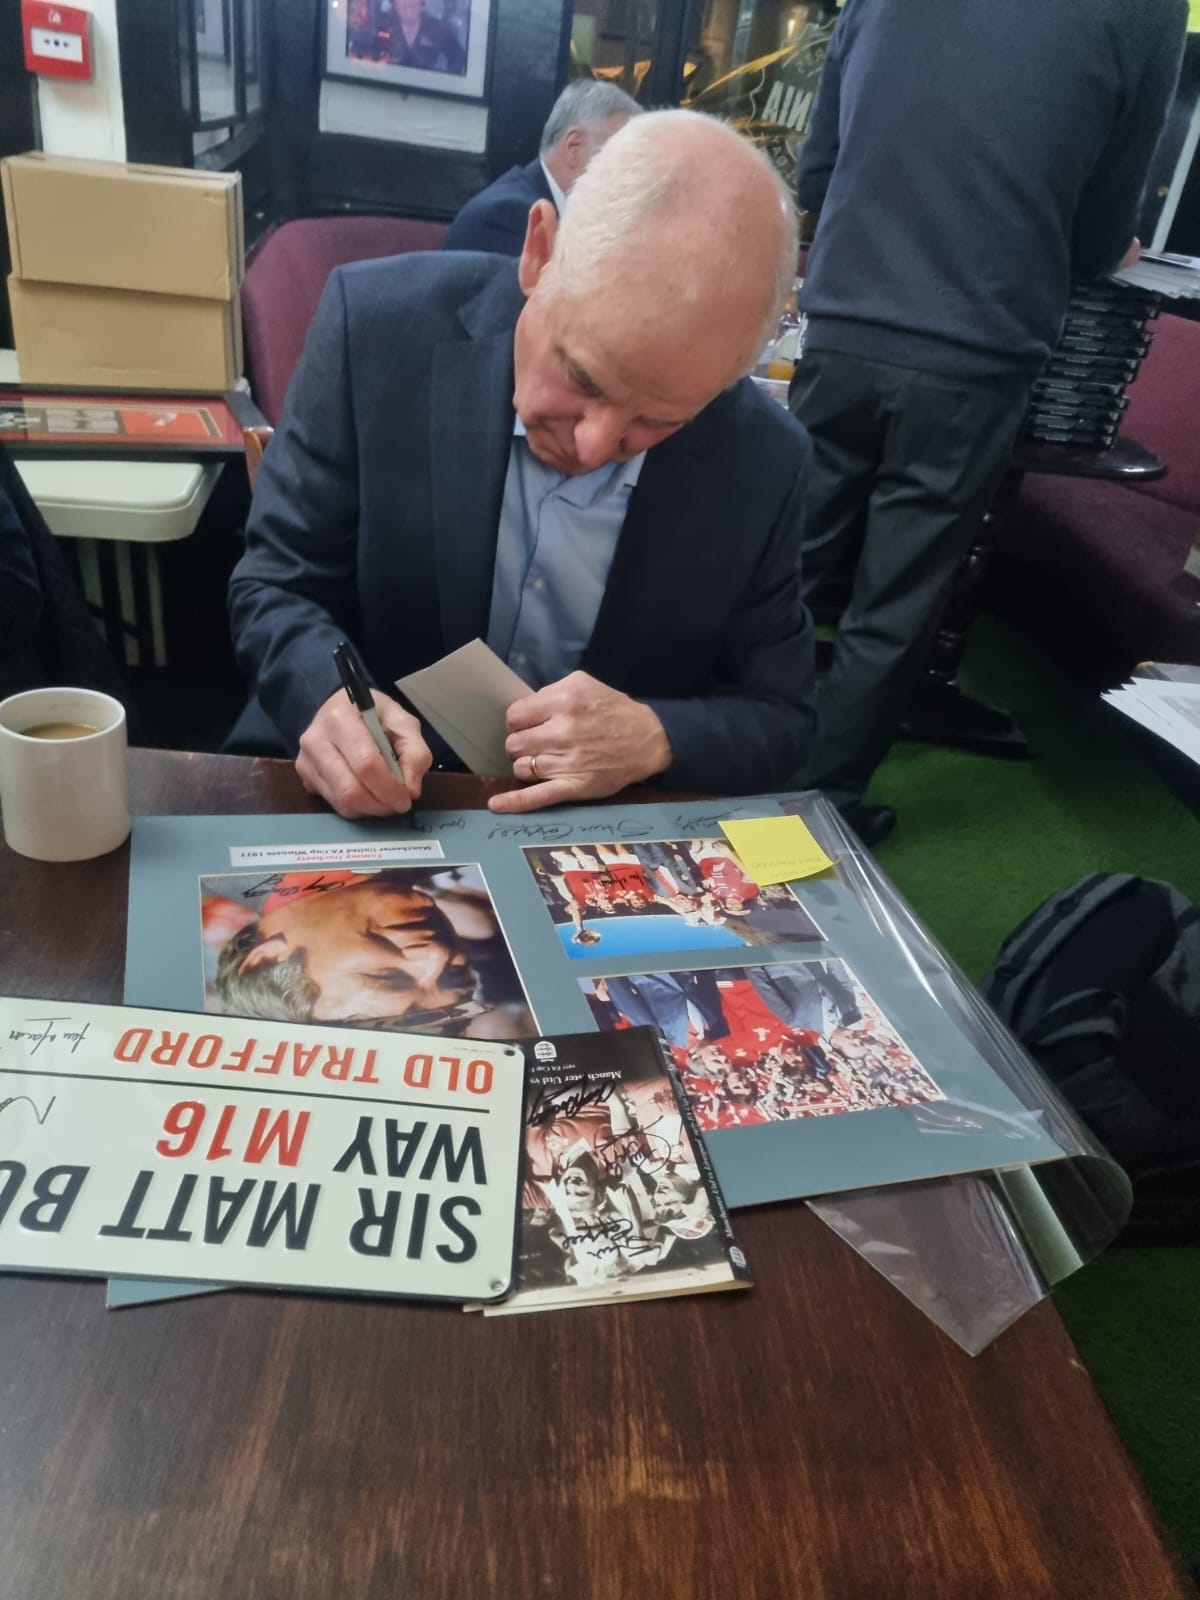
561, 455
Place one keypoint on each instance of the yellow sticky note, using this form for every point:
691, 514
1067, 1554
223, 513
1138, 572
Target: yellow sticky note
776, 849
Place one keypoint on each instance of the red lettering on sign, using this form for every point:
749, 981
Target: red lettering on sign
205, 1050
417, 1070
281, 1132
131, 1044
367, 1075
338, 1063
274, 1058
454, 1063
218, 1148
182, 1123
304, 1059
479, 1077
240, 1059
273, 1135
169, 1052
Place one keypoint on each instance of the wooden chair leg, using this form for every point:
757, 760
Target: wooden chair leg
255, 441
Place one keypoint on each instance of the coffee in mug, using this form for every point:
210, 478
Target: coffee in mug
63, 781
61, 730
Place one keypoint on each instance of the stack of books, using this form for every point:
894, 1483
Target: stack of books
1080, 397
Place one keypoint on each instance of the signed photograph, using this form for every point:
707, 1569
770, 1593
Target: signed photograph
661, 895
616, 1199
415, 948
769, 1044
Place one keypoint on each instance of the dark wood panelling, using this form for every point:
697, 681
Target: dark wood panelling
528, 69
352, 174
674, 27
155, 85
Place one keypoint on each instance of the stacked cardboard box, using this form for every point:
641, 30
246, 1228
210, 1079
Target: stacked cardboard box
124, 276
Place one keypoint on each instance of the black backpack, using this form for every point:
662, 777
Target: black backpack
1102, 987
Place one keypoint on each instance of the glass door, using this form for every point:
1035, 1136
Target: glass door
616, 40
757, 63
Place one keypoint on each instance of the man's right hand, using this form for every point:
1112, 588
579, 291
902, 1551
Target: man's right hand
341, 762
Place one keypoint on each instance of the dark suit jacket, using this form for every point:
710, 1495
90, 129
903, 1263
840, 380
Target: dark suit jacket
495, 218
378, 503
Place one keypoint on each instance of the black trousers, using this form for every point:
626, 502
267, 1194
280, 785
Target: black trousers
906, 466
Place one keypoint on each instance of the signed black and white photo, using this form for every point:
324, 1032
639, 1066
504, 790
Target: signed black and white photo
617, 1199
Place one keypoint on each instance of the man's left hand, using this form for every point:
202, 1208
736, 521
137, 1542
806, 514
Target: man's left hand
577, 739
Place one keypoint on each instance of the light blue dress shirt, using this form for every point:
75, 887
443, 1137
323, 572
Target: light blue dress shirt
555, 545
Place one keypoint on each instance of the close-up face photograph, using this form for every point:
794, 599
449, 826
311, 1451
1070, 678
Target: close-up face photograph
398, 947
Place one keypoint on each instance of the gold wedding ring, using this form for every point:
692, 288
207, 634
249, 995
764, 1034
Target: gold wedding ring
533, 771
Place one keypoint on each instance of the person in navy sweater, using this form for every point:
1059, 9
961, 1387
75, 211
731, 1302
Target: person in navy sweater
966, 161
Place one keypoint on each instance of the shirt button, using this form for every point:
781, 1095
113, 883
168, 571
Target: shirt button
538, 585
519, 660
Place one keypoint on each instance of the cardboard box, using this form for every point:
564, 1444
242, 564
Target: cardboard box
112, 339
165, 230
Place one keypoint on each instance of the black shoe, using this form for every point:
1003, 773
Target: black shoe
872, 824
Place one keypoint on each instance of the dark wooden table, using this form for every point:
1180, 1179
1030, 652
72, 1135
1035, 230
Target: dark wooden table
816, 1438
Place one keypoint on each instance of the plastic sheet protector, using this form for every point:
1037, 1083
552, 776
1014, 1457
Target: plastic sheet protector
831, 1050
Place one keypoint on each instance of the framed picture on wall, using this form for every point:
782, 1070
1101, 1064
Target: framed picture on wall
432, 46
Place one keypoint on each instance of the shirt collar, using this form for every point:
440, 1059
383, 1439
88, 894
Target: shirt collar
556, 194
624, 478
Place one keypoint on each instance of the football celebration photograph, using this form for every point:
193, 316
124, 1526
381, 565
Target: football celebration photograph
413, 948
769, 1044
658, 895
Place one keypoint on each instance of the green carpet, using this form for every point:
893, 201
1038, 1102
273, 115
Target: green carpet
980, 843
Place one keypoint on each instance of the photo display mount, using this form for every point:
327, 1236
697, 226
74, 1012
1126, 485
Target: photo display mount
905, 1077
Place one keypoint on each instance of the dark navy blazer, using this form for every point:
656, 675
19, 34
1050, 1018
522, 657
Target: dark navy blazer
378, 502
495, 218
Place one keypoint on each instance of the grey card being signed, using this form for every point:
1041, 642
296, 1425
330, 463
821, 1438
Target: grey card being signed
464, 697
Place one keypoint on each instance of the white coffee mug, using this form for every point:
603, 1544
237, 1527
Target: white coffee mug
65, 797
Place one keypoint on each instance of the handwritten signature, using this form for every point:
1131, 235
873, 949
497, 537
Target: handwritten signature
606, 1237
549, 1104
17, 1099
73, 1036
647, 1151
623, 828
274, 883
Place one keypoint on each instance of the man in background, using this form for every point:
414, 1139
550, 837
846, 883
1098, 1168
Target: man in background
585, 116
555, 455
967, 161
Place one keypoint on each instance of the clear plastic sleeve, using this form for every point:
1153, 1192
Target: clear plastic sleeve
973, 1251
